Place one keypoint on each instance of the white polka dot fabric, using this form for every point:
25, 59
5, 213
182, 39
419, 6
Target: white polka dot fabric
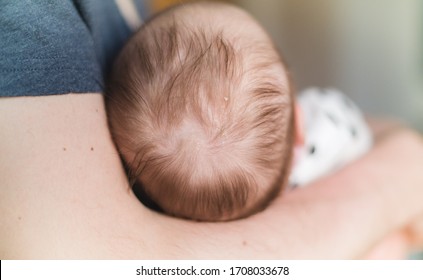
335, 134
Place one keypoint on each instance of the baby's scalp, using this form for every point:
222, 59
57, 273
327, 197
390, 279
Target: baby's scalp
203, 114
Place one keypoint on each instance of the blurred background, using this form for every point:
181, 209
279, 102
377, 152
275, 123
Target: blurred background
371, 50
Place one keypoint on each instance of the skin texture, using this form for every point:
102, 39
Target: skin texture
64, 195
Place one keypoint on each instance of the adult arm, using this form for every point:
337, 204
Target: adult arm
371, 205
63, 194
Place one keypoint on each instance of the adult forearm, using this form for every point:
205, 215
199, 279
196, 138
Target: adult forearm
342, 216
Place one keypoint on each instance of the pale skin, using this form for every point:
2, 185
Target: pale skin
64, 195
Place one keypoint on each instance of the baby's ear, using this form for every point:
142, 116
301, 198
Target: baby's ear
299, 126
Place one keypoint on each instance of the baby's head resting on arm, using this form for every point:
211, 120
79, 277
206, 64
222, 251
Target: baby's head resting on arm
201, 109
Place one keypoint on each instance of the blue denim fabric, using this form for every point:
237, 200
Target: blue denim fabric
57, 47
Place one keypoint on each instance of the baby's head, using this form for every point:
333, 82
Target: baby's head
201, 110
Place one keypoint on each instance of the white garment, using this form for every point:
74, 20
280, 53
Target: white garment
335, 134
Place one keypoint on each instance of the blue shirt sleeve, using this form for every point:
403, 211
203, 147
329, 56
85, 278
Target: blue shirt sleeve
57, 47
